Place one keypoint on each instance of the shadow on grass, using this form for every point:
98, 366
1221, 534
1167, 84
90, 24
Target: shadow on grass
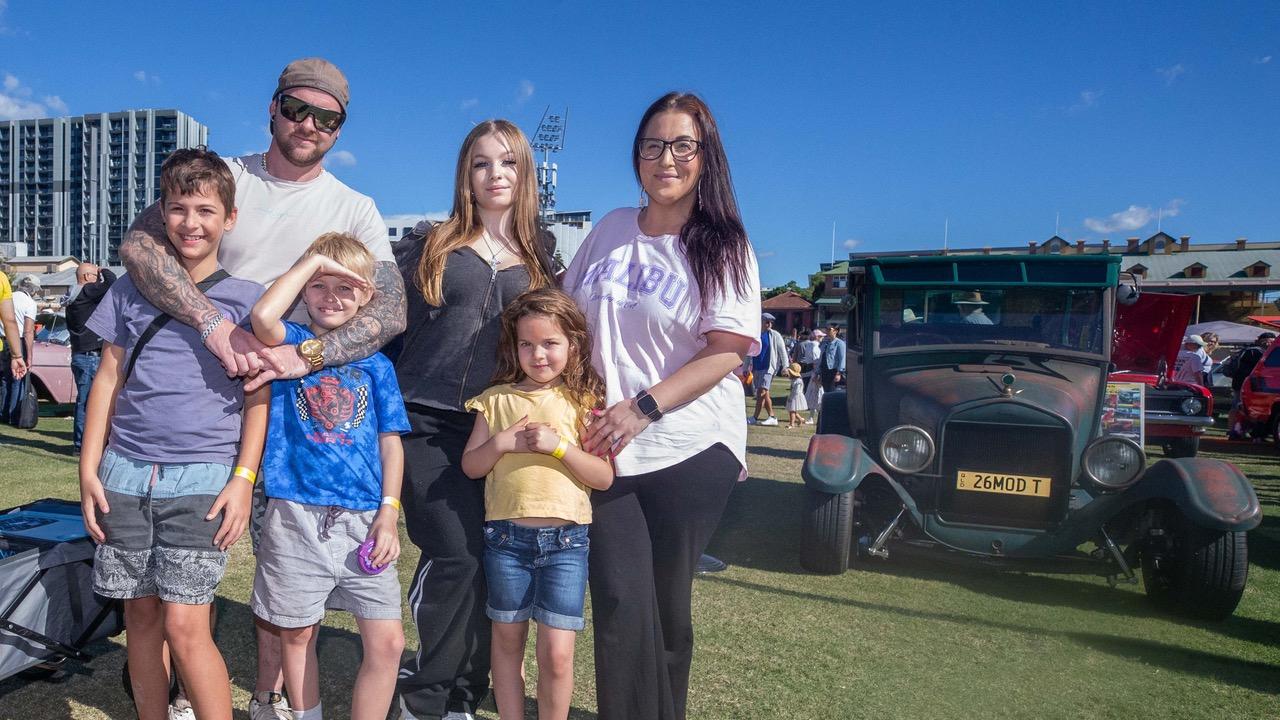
51, 441
1255, 676
776, 452
760, 525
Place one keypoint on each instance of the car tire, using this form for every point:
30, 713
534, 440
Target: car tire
1182, 447
834, 417
826, 532
1200, 572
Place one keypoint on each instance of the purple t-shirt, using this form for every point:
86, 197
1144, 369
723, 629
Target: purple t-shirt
178, 406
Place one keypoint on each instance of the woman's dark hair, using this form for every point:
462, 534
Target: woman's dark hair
713, 238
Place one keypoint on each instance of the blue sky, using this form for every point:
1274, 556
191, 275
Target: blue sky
885, 119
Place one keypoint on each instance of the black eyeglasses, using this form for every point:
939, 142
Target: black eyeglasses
295, 110
682, 149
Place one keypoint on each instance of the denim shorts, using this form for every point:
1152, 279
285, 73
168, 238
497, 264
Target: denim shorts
536, 572
158, 542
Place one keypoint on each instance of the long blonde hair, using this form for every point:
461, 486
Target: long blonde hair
464, 226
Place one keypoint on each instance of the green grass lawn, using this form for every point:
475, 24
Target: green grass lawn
890, 640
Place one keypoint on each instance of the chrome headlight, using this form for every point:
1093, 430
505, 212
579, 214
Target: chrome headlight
1114, 463
906, 449
1192, 406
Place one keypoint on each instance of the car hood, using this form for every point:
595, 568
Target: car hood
926, 395
1151, 330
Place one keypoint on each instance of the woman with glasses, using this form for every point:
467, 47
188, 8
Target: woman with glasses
459, 279
672, 295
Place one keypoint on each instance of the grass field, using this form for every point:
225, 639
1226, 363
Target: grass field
891, 640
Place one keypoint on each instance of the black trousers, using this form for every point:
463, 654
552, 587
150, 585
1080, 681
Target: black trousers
444, 515
647, 533
828, 379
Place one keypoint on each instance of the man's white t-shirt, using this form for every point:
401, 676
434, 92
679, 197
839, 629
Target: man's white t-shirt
646, 318
1190, 364
24, 306
277, 220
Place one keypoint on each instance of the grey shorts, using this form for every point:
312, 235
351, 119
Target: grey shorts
158, 542
307, 564
762, 381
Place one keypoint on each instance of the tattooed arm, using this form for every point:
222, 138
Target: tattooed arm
372, 327
161, 279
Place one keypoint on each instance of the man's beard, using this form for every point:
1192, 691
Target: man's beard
298, 157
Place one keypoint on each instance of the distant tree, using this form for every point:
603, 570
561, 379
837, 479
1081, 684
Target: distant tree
806, 293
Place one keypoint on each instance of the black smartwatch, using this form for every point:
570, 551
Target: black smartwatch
648, 406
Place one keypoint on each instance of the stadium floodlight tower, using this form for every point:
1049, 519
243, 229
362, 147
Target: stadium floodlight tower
549, 139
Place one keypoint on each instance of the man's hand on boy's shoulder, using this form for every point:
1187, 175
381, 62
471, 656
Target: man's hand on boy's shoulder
240, 353
282, 363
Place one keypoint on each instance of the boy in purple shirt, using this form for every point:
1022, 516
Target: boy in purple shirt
164, 428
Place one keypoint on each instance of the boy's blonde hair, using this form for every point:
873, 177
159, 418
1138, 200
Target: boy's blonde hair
347, 251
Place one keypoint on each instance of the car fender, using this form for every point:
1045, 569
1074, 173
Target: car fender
1212, 493
837, 464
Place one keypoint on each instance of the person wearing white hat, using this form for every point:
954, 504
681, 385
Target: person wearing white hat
1193, 363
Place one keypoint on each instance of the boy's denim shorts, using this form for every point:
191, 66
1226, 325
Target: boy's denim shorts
158, 542
307, 563
536, 572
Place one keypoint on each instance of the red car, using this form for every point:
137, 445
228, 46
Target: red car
1260, 393
51, 368
1148, 335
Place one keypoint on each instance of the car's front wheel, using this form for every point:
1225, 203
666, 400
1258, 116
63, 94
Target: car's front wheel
826, 531
1196, 571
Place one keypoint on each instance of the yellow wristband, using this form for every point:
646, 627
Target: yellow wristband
558, 453
393, 502
246, 473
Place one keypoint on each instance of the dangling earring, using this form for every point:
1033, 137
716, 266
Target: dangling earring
644, 198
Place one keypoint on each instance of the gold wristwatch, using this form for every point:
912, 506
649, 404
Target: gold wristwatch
312, 350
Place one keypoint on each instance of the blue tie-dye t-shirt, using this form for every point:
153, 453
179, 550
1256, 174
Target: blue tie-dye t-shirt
322, 439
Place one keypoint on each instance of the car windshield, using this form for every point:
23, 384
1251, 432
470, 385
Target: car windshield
53, 328
1068, 319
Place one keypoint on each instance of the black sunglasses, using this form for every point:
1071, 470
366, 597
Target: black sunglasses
295, 110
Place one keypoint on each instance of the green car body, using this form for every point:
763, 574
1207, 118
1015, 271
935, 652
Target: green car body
973, 424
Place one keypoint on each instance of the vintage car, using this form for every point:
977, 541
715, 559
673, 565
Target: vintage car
1148, 336
972, 427
51, 366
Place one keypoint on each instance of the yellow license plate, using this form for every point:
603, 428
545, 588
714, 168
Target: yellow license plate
1003, 484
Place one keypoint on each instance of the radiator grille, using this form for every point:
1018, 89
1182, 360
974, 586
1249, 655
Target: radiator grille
1027, 450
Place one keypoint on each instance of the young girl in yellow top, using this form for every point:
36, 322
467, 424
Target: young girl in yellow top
537, 493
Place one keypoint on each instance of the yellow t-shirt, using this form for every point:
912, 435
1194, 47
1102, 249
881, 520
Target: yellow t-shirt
532, 484
6, 293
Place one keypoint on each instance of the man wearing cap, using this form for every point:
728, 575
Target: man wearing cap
285, 200
1193, 364
771, 360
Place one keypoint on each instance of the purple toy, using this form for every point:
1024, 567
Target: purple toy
362, 555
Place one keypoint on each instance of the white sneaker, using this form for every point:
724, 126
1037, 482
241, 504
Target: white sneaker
809, 421
455, 715
181, 713
273, 707
771, 420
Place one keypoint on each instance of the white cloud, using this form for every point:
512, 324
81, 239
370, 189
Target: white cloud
1170, 74
851, 243
468, 103
1262, 60
144, 77
16, 102
4, 27
766, 254
339, 158
525, 92
1088, 99
1132, 218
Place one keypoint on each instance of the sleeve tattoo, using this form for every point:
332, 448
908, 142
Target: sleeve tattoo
376, 323
155, 270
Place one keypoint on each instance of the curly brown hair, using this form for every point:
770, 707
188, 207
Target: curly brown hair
586, 388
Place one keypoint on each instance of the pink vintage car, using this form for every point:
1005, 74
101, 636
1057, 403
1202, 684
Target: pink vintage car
51, 366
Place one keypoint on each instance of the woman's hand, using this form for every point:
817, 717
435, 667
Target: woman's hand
386, 537
613, 429
93, 497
